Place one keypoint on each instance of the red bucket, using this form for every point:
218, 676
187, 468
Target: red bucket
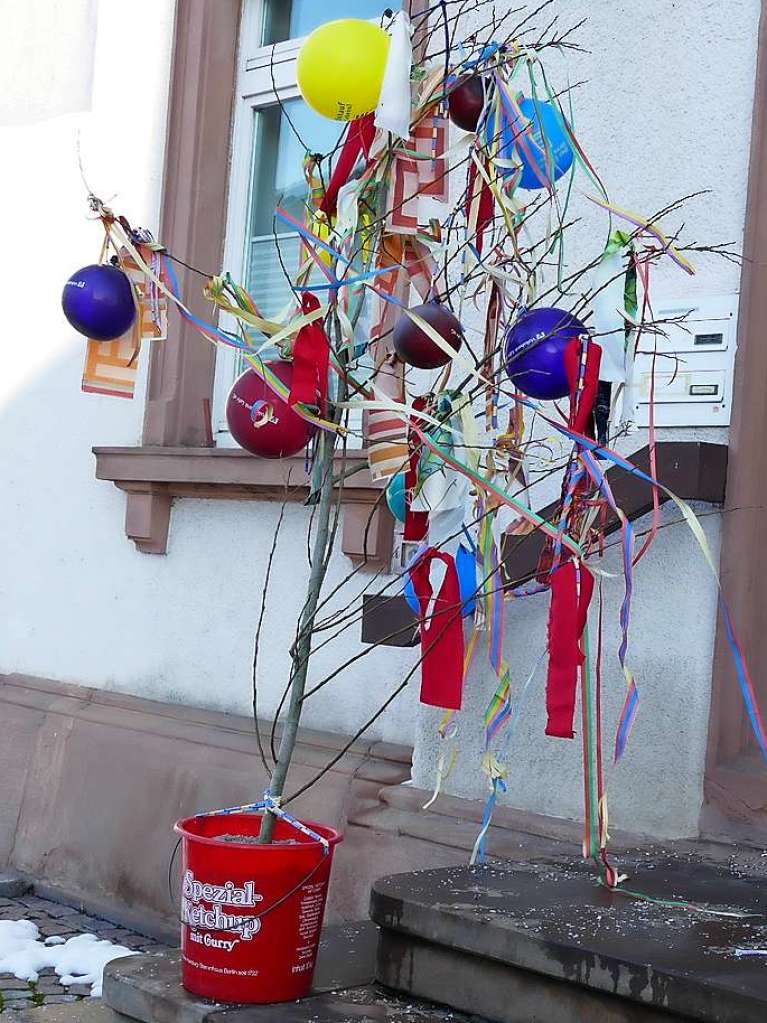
251, 915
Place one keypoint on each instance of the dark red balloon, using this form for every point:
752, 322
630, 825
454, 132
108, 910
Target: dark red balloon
465, 102
286, 434
415, 347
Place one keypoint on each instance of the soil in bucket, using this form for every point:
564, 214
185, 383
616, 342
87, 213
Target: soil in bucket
251, 914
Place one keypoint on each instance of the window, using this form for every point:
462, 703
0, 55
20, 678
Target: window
290, 20
174, 458
267, 156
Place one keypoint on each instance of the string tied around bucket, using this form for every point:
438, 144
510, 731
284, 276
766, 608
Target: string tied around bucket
271, 804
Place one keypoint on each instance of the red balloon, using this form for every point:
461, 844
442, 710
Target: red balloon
415, 347
466, 101
285, 434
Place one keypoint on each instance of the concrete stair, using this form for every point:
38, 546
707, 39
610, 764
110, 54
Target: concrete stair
543, 942
148, 988
535, 941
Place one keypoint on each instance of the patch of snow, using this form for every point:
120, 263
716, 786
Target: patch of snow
78, 960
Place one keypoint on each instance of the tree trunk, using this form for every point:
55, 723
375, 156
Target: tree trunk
302, 647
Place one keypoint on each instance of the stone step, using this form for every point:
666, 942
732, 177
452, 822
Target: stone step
544, 942
13, 886
149, 989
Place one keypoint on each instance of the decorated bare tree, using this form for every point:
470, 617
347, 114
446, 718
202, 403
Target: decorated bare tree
436, 293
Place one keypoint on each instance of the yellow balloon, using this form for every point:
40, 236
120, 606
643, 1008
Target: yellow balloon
341, 68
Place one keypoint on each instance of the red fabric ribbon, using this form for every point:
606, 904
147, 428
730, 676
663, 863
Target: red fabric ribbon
358, 140
441, 635
582, 401
311, 360
567, 620
486, 212
486, 207
581, 420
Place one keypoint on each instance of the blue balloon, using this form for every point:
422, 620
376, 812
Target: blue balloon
466, 565
98, 302
535, 352
548, 129
395, 497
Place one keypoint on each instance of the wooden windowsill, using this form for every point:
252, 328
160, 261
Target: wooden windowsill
225, 473
152, 476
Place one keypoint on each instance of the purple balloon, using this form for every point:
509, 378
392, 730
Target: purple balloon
98, 302
535, 352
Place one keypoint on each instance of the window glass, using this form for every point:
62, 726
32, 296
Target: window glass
275, 177
278, 157
278, 180
290, 19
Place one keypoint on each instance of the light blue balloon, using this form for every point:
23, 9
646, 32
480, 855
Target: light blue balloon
548, 129
395, 497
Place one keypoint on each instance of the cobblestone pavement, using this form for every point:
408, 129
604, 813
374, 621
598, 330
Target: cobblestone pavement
53, 918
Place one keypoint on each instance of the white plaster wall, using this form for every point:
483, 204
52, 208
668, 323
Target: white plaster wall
77, 602
664, 111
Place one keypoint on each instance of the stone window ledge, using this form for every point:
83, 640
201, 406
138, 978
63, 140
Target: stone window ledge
152, 476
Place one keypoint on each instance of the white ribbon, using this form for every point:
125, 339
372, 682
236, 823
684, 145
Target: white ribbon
609, 323
393, 110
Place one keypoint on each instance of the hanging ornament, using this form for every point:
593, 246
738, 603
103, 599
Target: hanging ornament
434, 578
415, 347
466, 101
535, 352
98, 302
466, 565
260, 421
535, 135
396, 497
572, 587
341, 68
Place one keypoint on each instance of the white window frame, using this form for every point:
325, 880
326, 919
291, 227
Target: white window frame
265, 75
253, 91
